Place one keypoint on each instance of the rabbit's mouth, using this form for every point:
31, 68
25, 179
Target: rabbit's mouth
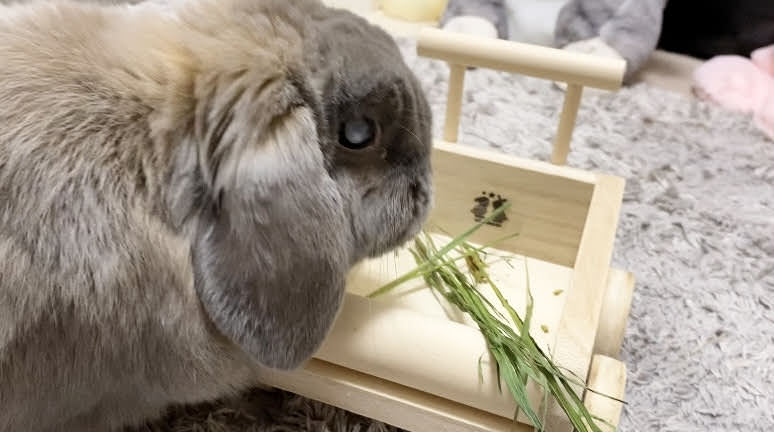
398, 216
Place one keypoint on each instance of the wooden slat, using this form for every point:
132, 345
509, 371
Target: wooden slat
388, 402
549, 203
533, 171
581, 315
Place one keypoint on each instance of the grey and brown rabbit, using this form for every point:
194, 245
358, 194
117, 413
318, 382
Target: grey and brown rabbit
183, 188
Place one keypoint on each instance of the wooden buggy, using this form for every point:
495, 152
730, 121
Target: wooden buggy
405, 360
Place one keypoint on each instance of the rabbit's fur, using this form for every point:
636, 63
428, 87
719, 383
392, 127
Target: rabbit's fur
176, 210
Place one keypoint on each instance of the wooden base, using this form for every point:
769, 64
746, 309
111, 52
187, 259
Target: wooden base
388, 402
419, 411
414, 410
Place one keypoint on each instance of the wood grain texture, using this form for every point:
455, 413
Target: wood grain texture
549, 204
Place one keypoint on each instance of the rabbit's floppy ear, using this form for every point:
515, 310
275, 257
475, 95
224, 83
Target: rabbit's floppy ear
273, 245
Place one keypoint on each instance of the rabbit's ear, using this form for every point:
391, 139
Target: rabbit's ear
271, 257
236, 111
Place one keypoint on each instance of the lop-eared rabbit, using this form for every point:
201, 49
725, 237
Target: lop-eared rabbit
183, 189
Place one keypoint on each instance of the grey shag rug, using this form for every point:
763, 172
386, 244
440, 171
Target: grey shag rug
696, 228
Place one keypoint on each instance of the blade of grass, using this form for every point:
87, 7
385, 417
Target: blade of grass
443, 251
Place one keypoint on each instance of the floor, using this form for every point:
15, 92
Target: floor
665, 70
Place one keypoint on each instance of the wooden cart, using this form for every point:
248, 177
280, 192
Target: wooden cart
388, 360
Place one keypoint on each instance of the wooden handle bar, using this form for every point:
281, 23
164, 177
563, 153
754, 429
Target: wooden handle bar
526, 59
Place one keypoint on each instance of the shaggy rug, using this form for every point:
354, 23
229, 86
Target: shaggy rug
696, 228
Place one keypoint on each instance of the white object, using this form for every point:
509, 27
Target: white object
472, 25
533, 21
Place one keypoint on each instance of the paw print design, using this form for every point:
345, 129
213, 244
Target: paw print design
501, 218
482, 205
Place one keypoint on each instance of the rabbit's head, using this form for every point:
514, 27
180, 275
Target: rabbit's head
376, 130
310, 161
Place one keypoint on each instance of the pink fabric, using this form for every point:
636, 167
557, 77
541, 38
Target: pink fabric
764, 59
741, 84
733, 82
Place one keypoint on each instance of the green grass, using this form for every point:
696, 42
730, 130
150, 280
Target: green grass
518, 357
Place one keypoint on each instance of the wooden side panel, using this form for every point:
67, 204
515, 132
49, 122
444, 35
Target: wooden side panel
581, 316
549, 204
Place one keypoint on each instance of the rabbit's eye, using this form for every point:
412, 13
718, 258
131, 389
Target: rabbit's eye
357, 133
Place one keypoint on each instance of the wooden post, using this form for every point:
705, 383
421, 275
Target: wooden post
572, 100
454, 102
615, 311
576, 334
607, 378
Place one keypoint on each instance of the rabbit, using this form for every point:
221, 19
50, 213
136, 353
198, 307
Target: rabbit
184, 186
